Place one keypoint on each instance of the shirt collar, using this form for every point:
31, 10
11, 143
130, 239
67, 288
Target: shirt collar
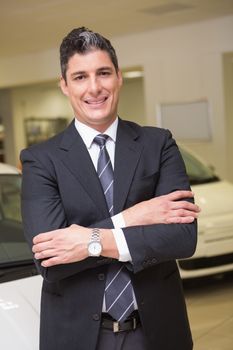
88, 134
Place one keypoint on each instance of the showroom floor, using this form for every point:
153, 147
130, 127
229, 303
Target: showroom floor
210, 308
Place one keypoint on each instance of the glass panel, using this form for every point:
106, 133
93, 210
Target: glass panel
10, 197
198, 172
13, 247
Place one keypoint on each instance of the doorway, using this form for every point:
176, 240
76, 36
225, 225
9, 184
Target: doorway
132, 100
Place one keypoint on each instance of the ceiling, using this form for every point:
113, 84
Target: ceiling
28, 26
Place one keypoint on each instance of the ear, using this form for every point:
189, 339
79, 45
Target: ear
63, 86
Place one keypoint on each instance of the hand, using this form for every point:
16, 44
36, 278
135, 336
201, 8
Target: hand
68, 245
62, 246
166, 209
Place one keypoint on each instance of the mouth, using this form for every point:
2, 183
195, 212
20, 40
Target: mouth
95, 102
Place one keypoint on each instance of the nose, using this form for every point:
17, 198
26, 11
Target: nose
94, 86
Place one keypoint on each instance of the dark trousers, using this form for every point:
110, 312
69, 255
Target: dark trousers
132, 340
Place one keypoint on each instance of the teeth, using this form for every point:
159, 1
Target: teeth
97, 101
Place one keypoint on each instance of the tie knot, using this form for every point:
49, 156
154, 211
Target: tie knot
101, 139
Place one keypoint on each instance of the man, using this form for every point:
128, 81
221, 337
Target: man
107, 209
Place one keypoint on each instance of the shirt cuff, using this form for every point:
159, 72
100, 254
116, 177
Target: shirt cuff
118, 221
122, 246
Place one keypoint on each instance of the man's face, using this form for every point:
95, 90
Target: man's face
92, 86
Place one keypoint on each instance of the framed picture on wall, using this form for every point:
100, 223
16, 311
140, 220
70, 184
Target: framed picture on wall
40, 129
187, 121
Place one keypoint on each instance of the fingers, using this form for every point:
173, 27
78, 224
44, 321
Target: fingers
48, 236
51, 257
183, 213
39, 247
176, 195
180, 220
185, 205
45, 254
61, 246
46, 245
51, 262
44, 237
174, 210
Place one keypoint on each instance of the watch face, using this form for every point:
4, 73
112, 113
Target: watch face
94, 248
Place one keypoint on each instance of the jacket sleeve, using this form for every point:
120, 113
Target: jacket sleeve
42, 211
153, 244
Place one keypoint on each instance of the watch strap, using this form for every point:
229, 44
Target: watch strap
95, 235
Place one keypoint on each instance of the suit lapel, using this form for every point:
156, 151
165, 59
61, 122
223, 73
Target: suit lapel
77, 159
127, 154
75, 156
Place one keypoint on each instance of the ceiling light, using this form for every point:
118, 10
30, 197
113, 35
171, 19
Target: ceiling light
133, 74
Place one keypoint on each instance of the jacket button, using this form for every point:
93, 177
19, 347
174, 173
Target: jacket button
95, 317
101, 276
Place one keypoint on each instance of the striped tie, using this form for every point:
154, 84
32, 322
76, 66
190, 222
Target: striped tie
105, 171
118, 289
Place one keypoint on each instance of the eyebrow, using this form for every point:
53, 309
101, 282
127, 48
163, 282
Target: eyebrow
98, 70
105, 68
78, 73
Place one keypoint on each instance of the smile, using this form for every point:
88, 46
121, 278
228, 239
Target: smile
96, 102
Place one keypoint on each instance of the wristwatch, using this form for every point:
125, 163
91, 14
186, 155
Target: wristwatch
94, 246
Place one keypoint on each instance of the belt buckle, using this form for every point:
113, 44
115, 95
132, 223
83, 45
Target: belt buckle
116, 327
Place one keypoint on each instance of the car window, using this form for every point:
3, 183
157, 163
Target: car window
10, 197
14, 251
198, 172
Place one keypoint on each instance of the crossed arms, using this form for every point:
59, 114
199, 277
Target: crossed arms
159, 229
68, 245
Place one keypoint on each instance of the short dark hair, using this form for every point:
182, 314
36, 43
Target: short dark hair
82, 40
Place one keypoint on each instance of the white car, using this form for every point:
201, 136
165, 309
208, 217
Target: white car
214, 253
20, 286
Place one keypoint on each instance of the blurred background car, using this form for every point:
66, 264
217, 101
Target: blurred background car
20, 285
214, 253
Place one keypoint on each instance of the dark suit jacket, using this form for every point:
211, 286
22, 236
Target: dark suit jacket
61, 187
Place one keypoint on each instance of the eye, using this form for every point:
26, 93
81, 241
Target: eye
105, 73
80, 77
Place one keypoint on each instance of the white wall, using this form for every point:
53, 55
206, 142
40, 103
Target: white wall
185, 64
180, 64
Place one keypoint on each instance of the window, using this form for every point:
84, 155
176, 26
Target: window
14, 250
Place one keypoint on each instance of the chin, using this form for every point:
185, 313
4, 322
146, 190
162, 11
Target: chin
102, 119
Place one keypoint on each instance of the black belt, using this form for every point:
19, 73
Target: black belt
131, 323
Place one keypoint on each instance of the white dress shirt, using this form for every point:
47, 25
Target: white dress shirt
88, 134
